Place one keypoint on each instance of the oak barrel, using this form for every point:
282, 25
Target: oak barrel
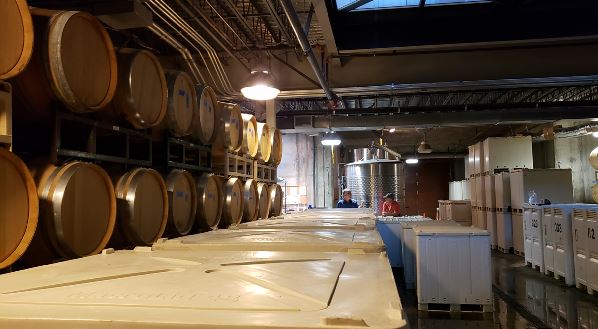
77, 207
205, 124
276, 141
142, 206
275, 200
265, 144
232, 208
182, 103
182, 202
18, 208
250, 137
142, 94
209, 202
263, 190
250, 201
16, 37
594, 158
73, 62
230, 130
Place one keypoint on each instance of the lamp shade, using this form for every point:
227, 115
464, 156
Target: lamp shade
260, 86
331, 139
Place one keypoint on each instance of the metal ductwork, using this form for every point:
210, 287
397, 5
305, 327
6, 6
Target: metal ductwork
291, 14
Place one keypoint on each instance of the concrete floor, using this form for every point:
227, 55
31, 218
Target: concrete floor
523, 298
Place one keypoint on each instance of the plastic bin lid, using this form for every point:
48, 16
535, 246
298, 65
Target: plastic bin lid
448, 230
407, 225
181, 289
311, 223
278, 240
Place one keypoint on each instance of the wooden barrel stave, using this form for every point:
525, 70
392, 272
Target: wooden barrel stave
265, 145
209, 202
19, 208
182, 202
142, 93
263, 191
73, 62
142, 206
275, 200
77, 207
206, 120
232, 212
16, 37
182, 103
250, 138
250, 201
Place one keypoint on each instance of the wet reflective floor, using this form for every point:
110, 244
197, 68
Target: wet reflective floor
523, 298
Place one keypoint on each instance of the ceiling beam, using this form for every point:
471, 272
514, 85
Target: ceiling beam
354, 5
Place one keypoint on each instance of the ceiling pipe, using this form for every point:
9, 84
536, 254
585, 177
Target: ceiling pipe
293, 18
572, 132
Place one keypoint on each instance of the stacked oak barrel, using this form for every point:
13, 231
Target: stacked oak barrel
57, 207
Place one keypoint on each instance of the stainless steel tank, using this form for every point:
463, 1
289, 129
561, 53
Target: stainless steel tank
370, 180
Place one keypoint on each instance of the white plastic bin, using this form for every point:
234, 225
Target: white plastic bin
492, 228
517, 222
580, 247
534, 236
409, 247
504, 232
453, 266
278, 240
312, 223
508, 152
390, 230
592, 236
459, 211
191, 289
553, 184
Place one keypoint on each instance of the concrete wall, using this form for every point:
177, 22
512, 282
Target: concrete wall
573, 153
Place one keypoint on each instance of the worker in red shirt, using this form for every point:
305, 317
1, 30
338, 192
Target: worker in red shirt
390, 206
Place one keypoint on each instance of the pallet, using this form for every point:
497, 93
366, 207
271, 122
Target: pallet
519, 253
5, 115
505, 251
555, 275
493, 247
265, 173
176, 153
587, 288
78, 137
235, 166
444, 307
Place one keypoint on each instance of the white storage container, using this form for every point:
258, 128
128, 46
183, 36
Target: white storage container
192, 289
479, 158
465, 189
558, 241
278, 240
310, 223
502, 192
481, 219
471, 161
517, 222
442, 209
453, 266
409, 247
553, 184
336, 211
504, 232
592, 232
389, 229
330, 215
492, 228
489, 194
580, 247
459, 211
472, 192
480, 192
507, 153
533, 231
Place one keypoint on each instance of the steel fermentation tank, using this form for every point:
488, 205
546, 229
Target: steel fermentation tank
370, 180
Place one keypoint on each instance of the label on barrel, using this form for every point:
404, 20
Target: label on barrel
181, 194
211, 196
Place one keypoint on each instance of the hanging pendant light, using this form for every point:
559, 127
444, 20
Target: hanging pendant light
260, 86
331, 139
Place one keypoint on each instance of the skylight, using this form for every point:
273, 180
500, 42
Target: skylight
348, 5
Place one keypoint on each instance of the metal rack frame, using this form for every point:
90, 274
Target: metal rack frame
265, 173
182, 154
236, 166
137, 144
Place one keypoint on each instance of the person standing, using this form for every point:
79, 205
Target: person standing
390, 207
346, 201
